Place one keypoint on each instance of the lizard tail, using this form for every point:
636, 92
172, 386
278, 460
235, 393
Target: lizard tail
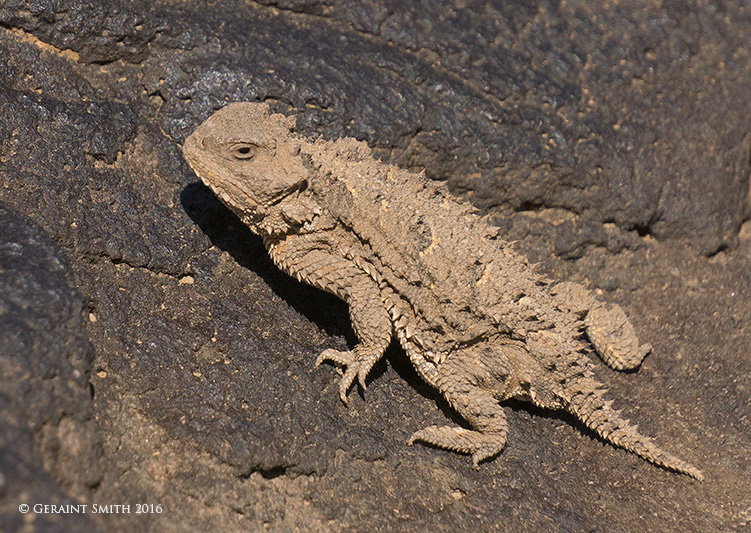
588, 404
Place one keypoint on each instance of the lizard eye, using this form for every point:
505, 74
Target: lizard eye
243, 151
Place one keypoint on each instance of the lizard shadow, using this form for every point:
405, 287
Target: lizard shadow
227, 232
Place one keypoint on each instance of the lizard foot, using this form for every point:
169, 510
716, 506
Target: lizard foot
480, 445
356, 363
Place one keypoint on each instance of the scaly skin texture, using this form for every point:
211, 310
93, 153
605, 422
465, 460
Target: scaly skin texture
478, 322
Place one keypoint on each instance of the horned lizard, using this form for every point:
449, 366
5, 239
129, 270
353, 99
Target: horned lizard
475, 318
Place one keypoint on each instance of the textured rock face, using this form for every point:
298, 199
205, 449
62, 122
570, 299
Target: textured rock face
46, 406
613, 135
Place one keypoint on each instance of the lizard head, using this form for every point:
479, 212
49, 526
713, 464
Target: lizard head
248, 157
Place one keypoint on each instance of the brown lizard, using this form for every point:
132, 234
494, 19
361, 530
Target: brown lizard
477, 321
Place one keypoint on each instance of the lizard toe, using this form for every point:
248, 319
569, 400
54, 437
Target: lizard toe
341, 358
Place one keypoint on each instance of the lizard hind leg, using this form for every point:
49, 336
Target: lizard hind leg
607, 326
458, 381
479, 445
614, 338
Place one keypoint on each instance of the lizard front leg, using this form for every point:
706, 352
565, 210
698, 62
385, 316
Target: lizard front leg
367, 312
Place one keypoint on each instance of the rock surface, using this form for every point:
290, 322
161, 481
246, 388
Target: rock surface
150, 353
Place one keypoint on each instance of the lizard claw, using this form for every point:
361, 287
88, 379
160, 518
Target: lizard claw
362, 374
346, 383
335, 356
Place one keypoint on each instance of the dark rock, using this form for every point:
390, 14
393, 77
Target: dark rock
99, 32
611, 141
